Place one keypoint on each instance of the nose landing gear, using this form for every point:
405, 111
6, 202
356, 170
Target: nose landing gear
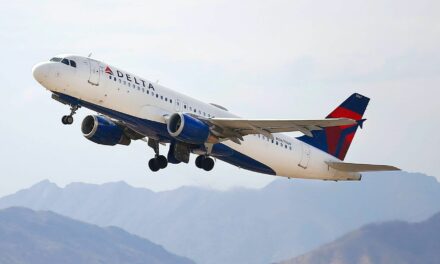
68, 119
205, 162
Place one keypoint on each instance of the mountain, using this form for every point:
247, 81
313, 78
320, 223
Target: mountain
392, 242
286, 218
45, 237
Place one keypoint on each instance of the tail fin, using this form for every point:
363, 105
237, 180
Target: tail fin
337, 140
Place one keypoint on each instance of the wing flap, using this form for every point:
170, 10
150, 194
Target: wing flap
354, 167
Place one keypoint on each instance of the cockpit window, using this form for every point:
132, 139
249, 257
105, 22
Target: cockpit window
73, 63
65, 61
56, 59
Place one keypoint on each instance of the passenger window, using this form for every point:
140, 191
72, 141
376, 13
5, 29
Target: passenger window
171, 101
143, 90
157, 96
114, 78
148, 92
166, 99
119, 80
72, 63
110, 77
161, 97
65, 61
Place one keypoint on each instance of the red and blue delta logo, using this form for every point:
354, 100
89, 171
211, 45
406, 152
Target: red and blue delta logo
108, 70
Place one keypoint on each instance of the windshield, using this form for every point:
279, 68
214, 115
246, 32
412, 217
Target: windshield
56, 59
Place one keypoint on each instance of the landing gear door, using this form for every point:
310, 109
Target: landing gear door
305, 156
94, 72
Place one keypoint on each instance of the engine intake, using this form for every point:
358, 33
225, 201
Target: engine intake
188, 129
102, 130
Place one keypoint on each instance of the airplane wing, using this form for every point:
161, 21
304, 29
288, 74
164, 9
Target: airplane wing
235, 128
353, 167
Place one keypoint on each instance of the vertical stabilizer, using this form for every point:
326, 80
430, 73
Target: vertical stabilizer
337, 140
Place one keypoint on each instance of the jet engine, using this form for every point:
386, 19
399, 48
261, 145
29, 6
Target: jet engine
102, 130
188, 129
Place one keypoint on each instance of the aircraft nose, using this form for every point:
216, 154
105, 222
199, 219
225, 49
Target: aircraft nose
40, 71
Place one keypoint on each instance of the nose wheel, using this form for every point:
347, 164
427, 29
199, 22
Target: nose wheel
68, 119
205, 162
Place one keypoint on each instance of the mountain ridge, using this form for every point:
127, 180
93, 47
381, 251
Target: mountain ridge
381, 243
45, 237
284, 219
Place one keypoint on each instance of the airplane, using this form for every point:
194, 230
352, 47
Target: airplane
133, 108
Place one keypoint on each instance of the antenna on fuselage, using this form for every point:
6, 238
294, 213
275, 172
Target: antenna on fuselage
90, 55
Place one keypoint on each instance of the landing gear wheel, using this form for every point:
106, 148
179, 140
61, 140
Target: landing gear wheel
67, 120
199, 161
208, 164
162, 161
153, 164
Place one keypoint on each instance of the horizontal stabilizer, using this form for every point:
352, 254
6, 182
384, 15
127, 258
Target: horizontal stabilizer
353, 167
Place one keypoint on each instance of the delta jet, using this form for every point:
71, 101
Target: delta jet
131, 108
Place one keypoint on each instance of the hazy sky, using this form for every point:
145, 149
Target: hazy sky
270, 59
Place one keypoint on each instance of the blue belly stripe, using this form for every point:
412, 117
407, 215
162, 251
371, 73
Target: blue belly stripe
159, 130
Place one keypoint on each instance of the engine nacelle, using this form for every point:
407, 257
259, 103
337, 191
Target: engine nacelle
102, 130
188, 129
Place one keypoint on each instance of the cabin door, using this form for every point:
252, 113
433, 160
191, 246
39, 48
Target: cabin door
305, 156
94, 72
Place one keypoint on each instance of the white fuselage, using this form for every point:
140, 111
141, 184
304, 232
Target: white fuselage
111, 88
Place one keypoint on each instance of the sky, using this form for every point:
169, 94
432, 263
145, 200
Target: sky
260, 59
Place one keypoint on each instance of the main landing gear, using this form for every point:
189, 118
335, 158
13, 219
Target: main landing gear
68, 119
204, 162
159, 161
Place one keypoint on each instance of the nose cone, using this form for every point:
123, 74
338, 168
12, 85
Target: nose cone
41, 72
